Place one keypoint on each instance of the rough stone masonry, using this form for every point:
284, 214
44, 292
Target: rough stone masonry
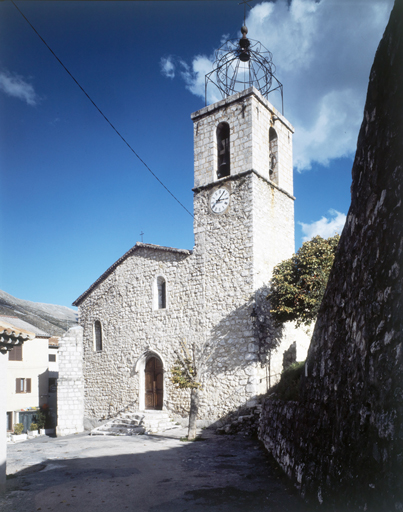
342, 442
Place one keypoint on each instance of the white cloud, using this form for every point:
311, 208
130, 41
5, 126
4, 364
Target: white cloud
195, 78
325, 227
323, 52
15, 86
168, 66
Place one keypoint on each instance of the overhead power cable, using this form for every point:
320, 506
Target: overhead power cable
111, 125
100, 111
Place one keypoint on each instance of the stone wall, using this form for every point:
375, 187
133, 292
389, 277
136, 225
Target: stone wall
342, 442
70, 383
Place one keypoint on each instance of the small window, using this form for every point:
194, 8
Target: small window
98, 335
52, 358
15, 353
162, 293
23, 385
273, 155
223, 150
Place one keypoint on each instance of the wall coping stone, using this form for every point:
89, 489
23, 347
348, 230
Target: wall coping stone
251, 91
237, 176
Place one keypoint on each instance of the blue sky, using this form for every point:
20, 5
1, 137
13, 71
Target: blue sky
74, 196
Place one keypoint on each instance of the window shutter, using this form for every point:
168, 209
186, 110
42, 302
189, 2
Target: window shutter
18, 353
15, 353
28, 384
17, 386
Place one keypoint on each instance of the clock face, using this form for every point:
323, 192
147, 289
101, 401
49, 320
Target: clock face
219, 200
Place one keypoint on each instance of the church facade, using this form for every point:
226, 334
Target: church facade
136, 315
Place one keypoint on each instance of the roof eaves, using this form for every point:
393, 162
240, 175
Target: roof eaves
11, 336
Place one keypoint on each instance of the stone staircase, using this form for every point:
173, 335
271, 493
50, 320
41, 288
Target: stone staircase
129, 424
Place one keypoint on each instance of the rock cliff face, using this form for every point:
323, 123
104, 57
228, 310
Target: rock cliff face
343, 442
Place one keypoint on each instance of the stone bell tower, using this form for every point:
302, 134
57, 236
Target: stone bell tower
239, 139
243, 210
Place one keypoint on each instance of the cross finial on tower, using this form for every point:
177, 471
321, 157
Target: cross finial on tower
245, 3
141, 234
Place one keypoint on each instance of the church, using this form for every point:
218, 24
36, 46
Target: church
141, 310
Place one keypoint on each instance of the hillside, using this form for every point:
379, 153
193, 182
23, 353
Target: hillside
53, 319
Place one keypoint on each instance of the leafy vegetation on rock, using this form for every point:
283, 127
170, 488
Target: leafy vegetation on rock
298, 284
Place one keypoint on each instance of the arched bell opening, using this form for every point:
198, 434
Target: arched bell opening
223, 151
273, 155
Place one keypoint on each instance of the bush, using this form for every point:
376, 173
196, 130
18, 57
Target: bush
41, 419
33, 426
18, 428
288, 386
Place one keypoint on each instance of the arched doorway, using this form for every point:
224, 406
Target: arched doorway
154, 384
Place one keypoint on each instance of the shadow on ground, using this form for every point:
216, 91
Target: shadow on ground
149, 473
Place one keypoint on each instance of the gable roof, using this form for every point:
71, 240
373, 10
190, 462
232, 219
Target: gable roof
139, 245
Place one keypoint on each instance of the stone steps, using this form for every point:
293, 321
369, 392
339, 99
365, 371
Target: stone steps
129, 424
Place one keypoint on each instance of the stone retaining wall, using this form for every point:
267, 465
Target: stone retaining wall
342, 443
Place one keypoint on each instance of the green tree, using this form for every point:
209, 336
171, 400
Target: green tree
298, 284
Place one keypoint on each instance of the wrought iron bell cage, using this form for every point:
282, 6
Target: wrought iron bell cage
243, 63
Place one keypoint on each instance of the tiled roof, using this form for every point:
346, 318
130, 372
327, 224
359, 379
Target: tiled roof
10, 335
139, 245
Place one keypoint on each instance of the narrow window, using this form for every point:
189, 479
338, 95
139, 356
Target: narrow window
273, 154
98, 335
162, 295
223, 150
9, 421
15, 353
52, 358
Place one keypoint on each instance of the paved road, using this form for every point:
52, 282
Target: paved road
156, 473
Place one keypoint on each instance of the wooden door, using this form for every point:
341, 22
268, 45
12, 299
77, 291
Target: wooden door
154, 384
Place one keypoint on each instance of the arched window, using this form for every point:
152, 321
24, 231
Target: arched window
97, 336
223, 150
162, 292
273, 154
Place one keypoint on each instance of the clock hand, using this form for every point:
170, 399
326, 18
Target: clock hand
220, 198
